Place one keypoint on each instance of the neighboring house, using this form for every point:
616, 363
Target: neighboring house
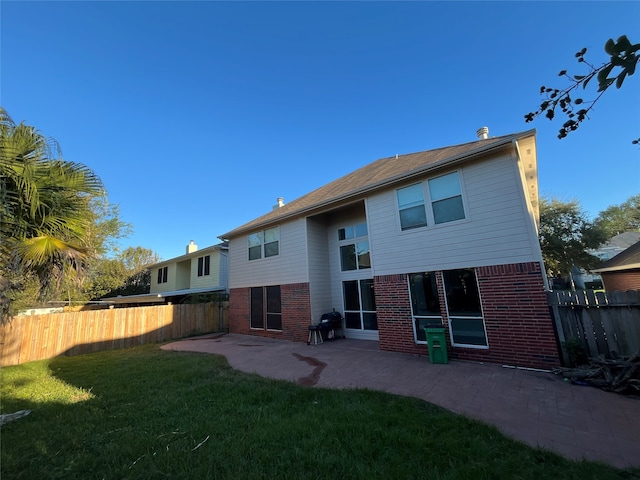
197, 272
615, 245
447, 236
586, 280
622, 272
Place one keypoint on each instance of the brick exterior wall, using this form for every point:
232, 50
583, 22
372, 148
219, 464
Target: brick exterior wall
296, 313
624, 280
518, 323
393, 307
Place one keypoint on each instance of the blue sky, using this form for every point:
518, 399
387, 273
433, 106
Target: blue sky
198, 115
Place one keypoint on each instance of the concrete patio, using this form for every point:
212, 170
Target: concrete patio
536, 408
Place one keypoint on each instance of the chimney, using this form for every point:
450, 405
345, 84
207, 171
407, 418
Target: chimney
192, 247
483, 133
280, 203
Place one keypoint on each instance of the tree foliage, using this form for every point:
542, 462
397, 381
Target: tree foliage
623, 59
565, 236
620, 218
58, 230
44, 209
125, 274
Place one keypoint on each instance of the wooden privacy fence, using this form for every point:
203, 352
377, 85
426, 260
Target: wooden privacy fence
37, 337
605, 323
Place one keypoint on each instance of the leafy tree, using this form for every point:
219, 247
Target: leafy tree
105, 229
622, 63
125, 274
44, 209
620, 218
565, 236
136, 261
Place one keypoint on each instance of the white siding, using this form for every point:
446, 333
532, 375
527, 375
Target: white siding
319, 277
495, 230
290, 266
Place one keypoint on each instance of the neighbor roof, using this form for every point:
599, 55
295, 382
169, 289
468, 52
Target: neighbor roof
376, 175
626, 260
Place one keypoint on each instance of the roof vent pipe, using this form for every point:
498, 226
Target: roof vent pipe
483, 133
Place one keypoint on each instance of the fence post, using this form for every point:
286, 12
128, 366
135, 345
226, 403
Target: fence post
552, 300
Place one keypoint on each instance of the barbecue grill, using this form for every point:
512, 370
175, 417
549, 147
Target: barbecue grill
327, 329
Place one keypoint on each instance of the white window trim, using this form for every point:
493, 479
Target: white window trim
414, 317
354, 241
428, 205
262, 245
481, 317
361, 311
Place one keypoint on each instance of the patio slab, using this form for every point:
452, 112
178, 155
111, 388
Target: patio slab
536, 408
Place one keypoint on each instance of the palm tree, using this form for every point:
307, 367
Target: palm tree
44, 208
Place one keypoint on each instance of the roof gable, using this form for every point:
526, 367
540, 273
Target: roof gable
378, 174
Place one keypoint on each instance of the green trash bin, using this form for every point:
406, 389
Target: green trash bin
437, 345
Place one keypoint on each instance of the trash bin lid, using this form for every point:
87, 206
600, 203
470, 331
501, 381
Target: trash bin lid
434, 329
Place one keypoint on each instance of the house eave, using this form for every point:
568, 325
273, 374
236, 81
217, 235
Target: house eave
619, 268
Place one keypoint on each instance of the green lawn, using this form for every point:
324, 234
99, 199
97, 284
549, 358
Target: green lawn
146, 413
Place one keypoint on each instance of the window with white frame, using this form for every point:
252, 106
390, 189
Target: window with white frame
265, 243
466, 322
446, 198
359, 304
204, 265
411, 206
266, 308
354, 247
425, 303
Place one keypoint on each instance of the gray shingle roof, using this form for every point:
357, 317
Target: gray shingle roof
625, 260
378, 174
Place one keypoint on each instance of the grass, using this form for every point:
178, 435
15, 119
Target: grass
144, 413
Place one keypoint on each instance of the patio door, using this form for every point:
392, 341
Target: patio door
360, 317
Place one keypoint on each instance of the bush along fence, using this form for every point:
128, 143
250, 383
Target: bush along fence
36, 337
590, 324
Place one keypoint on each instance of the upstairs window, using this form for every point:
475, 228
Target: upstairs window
162, 274
204, 265
352, 231
411, 207
354, 255
265, 243
446, 198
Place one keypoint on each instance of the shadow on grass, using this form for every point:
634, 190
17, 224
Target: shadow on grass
148, 413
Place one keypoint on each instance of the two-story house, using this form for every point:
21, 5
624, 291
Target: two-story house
446, 236
198, 271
